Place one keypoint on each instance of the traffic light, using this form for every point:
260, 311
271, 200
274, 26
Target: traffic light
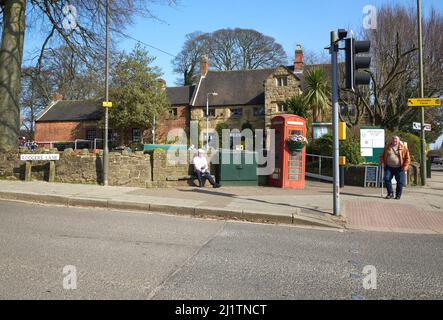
354, 63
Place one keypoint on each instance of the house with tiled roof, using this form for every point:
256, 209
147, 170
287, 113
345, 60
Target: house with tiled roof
64, 121
249, 97
242, 97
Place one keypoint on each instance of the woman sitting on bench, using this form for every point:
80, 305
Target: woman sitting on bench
201, 170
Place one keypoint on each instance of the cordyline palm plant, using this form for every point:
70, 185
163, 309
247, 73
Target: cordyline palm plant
317, 92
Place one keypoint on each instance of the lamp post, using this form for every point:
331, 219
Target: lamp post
106, 148
207, 116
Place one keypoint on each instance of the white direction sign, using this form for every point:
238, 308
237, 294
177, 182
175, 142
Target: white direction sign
37, 157
417, 126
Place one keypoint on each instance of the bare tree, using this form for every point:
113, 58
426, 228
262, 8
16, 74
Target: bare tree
78, 24
61, 72
223, 50
257, 50
228, 49
186, 63
394, 70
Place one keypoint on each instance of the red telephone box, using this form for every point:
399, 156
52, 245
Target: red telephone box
290, 166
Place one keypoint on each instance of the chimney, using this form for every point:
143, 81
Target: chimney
298, 64
204, 65
162, 83
57, 97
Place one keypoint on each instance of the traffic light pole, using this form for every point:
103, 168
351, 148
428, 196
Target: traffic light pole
335, 108
423, 171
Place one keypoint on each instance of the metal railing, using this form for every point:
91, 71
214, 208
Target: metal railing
51, 143
82, 140
319, 167
95, 142
91, 143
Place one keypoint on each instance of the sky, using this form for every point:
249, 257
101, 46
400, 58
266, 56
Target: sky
289, 22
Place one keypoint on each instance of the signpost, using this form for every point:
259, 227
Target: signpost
424, 102
417, 126
39, 157
371, 175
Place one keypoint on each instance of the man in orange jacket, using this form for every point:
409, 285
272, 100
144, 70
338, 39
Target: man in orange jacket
396, 159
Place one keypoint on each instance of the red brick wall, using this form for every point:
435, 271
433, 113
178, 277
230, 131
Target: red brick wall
166, 124
63, 131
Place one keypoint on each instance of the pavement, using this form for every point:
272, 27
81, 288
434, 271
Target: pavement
419, 211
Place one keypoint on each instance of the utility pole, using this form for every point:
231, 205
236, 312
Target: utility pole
335, 107
106, 148
423, 171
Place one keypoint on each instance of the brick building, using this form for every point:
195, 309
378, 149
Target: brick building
67, 121
249, 97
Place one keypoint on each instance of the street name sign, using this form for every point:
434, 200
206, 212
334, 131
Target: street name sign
417, 126
107, 104
424, 102
39, 157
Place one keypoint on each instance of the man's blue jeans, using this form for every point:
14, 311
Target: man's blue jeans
399, 175
202, 177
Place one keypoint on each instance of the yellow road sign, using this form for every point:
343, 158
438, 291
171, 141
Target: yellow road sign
424, 102
107, 104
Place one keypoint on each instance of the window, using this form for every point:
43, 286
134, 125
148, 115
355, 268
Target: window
91, 134
282, 81
281, 107
259, 111
112, 135
211, 112
136, 135
236, 112
173, 112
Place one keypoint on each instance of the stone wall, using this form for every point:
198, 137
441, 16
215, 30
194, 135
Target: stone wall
11, 167
173, 169
275, 94
223, 115
132, 170
157, 169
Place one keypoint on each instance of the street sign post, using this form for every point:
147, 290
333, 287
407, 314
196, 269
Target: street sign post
424, 102
417, 126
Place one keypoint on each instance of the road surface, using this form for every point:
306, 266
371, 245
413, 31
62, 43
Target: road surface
128, 255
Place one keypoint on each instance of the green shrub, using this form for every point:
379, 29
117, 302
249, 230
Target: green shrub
349, 148
136, 146
322, 146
